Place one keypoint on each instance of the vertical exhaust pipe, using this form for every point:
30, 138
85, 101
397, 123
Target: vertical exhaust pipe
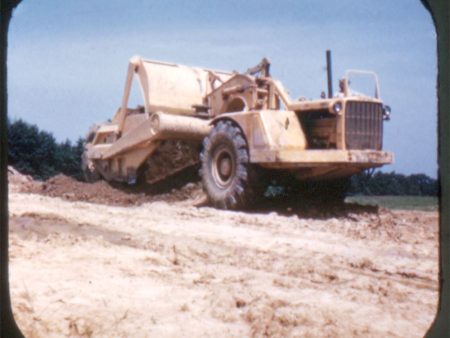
329, 75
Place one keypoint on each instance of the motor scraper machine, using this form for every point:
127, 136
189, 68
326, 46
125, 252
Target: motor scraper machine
241, 129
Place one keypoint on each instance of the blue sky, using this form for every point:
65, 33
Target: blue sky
67, 60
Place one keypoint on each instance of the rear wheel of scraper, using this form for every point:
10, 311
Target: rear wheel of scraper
90, 174
225, 167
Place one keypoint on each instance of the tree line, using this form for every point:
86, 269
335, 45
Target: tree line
36, 153
393, 184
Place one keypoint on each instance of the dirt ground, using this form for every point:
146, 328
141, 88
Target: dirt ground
90, 260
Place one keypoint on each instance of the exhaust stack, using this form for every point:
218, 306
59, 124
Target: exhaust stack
329, 75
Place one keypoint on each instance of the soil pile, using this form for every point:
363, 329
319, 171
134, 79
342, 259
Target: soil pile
175, 190
104, 193
20, 182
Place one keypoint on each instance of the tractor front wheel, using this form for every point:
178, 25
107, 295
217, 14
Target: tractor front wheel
225, 168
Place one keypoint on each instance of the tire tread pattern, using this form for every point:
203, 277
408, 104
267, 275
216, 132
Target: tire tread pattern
241, 192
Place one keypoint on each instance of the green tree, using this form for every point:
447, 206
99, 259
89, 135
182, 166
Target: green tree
36, 153
393, 184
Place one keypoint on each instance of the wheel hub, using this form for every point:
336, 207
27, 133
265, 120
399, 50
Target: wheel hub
223, 167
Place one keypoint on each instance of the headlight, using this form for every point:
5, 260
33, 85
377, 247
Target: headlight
386, 113
337, 107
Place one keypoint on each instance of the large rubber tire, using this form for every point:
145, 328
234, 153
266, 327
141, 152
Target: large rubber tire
225, 169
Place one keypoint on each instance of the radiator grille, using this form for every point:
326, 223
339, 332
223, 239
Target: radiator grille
363, 125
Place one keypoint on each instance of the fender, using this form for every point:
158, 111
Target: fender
268, 130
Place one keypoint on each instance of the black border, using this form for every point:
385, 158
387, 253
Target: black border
8, 326
440, 12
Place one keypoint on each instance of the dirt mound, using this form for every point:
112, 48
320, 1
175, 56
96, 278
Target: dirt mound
18, 181
176, 190
102, 192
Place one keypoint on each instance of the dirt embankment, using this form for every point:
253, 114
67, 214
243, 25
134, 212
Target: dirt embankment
191, 193
101, 192
145, 265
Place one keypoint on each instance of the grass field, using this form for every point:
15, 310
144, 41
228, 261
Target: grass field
424, 203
